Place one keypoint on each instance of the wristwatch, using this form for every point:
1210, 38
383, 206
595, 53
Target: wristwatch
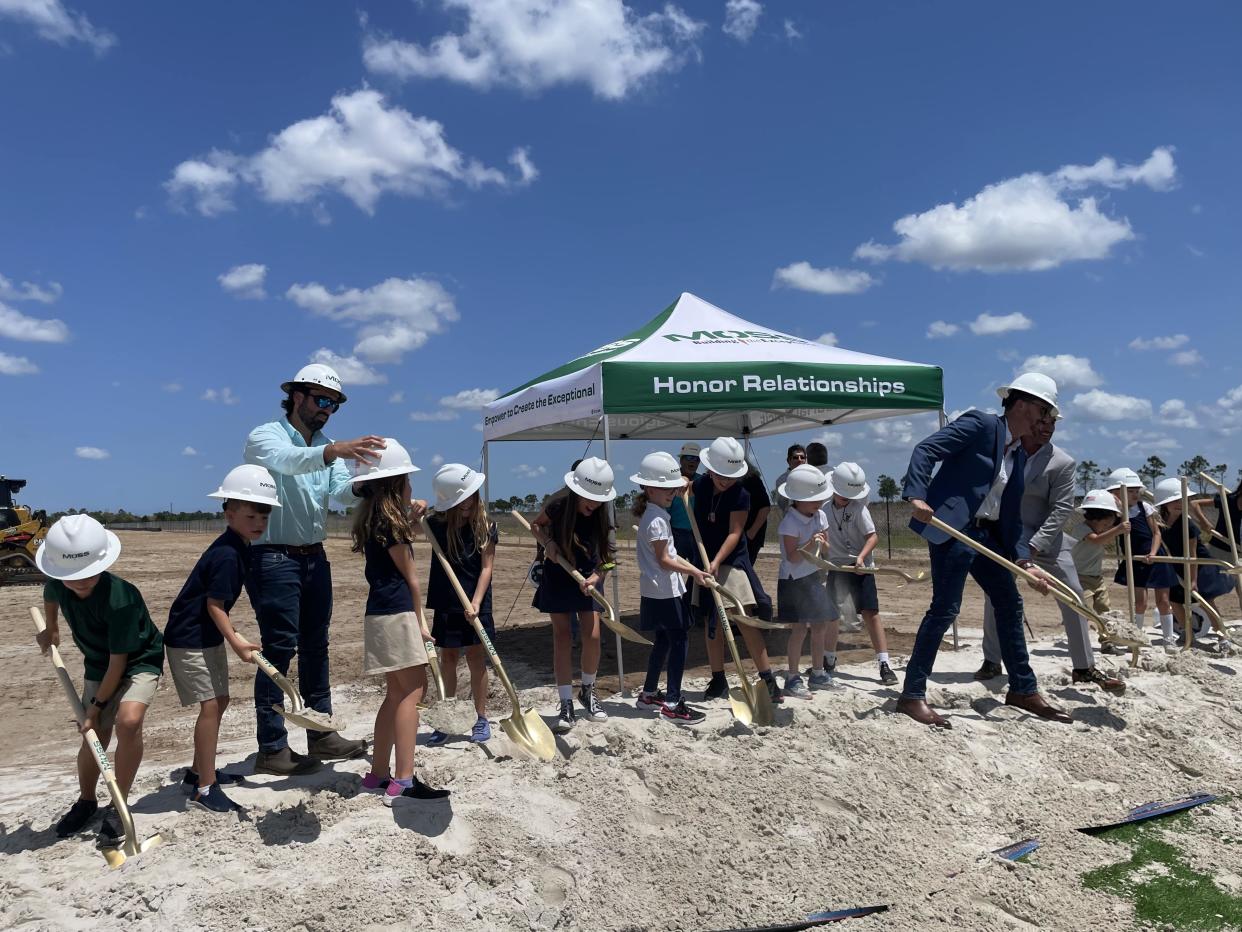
1026, 564
99, 705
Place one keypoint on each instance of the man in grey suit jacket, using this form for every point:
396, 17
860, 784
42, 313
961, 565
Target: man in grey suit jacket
1047, 503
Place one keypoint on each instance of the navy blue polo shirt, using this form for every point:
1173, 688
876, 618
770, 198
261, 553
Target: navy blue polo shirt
389, 593
712, 510
468, 567
218, 574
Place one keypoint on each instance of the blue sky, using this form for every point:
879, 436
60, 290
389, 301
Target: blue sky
452, 196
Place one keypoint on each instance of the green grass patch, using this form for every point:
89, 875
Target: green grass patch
1176, 895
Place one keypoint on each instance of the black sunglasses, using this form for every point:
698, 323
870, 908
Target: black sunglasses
324, 403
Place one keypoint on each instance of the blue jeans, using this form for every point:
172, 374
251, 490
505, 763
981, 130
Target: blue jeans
292, 599
672, 645
951, 563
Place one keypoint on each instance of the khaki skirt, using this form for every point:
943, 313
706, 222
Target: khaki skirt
391, 642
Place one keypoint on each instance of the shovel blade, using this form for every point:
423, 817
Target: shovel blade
752, 622
308, 719
114, 857
741, 708
765, 714
531, 733
627, 633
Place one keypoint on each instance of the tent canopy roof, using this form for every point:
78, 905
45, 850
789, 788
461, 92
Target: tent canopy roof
695, 370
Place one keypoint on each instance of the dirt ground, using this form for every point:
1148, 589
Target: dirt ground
655, 826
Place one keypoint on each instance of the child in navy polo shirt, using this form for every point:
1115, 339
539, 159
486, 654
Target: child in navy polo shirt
198, 625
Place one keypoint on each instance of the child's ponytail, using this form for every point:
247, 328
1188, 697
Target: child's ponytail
640, 505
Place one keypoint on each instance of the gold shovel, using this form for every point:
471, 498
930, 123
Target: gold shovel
750, 705
433, 661
131, 846
812, 554
525, 728
298, 713
609, 615
1127, 553
1106, 631
1230, 539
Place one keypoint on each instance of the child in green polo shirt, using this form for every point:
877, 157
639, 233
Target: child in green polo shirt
122, 654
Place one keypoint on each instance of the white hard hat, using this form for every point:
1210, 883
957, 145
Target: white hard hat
316, 374
725, 457
660, 471
77, 546
849, 481
248, 483
1124, 476
1036, 384
592, 479
805, 483
1168, 490
453, 483
1099, 500
690, 448
393, 461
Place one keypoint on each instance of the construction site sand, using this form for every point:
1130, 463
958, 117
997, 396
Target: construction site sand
639, 824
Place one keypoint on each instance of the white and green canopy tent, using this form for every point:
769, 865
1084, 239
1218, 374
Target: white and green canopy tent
697, 371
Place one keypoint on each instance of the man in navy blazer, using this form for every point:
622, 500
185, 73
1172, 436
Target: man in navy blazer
977, 490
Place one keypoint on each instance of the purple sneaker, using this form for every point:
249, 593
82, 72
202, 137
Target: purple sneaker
373, 784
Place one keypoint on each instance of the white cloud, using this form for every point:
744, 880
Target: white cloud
529, 472
805, 277
791, 30
1097, 405
1147, 444
17, 326
171, 387
1024, 223
223, 395
362, 148
1188, 357
828, 339
938, 329
1175, 413
394, 317
91, 453
471, 399
16, 365
352, 370
1176, 341
989, 325
396, 398
1231, 401
245, 281
536, 44
828, 439
28, 291
441, 415
742, 18
54, 22
1066, 370
189, 451
893, 434
437, 460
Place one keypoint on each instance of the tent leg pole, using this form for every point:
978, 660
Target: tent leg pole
486, 491
616, 582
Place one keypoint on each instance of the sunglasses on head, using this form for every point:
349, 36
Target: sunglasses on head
324, 403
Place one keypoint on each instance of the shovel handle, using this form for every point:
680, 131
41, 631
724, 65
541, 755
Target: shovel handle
269, 668
1126, 551
92, 740
1224, 506
468, 611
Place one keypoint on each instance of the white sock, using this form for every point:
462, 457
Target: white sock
1166, 626
588, 679
881, 656
1138, 619
565, 692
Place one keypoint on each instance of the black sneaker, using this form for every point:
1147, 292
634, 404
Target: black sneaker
214, 800
285, 763
887, 676
681, 713
110, 832
586, 696
774, 690
831, 667
988, 671
416, 790
77, 818
718, 688
333, 747
566, 718
189, 783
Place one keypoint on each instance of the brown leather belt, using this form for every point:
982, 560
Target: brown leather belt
296, 550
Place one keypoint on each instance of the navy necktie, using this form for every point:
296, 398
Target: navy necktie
1010, 516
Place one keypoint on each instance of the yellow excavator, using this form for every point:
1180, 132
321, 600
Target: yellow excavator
21, 532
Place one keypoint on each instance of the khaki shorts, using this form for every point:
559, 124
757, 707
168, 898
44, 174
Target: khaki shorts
1095, 588
199, 673
137, 688
391, 642
735, 582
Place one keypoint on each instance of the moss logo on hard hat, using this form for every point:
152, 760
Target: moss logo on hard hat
699, 337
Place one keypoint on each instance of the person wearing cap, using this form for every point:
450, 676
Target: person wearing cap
1146, 542
721, 507
1098, 523
1207, 582
795, 456
122, 656
468, 538
1047, 504
290, 579
199, 626
852, 539
978, 491
577, 527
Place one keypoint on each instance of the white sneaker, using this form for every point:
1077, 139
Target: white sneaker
566, 719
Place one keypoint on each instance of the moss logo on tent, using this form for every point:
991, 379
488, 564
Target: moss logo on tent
699, 337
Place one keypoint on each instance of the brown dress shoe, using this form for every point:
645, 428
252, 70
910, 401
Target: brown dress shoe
1110, 684
1037, 705
921, 712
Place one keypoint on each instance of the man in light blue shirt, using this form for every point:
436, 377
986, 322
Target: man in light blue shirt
290, 580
